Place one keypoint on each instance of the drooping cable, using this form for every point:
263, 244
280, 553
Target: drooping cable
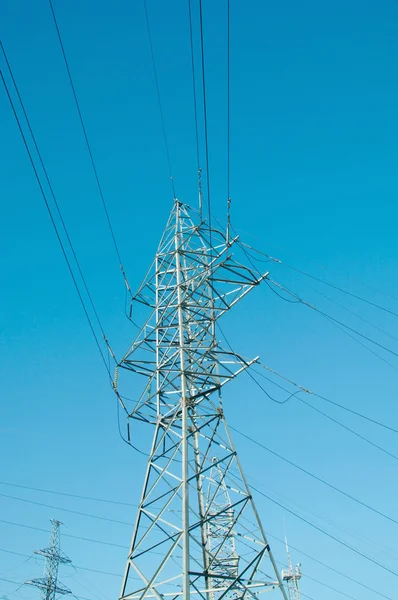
302, 552
301, 468
105, 362
298, 299
76, 537
270, 535
329, 587
351, 312
195, 105
126, 441
327, 566
155, 73
68, 535
326, 533
321, 412
75, 566
360, 436
324, 282
78, 496
312, 393
68, 510
55, 226
253, 378
354, 412
53, 194
374, 304
83, 126
316, 478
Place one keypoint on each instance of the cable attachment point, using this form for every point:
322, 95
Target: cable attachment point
200, 192
228, 221
125, 279
115, 378
109, 347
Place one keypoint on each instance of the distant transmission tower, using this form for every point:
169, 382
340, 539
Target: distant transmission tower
292, 576
197, 532
53, 558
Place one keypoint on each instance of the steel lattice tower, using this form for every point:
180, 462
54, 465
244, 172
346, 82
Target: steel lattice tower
197, 532
53, 558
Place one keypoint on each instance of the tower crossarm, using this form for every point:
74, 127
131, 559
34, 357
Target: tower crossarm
43, 584
211, 281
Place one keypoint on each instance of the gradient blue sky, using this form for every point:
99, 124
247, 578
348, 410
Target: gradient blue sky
314, 129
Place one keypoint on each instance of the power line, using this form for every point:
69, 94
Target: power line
326, 585
228, 119
205, 112
362, 539
52, 192
354, 412
159, 99
344, 291
123, 503
255, 381
374, 304
124, 547
69, 510
290, 396
337, 323
351, 312
337, 422
334, 322
357, 341
55, 225
107, 366
35, 489
330, 485
330, 318
195, 105
348, 546
304, 470
362, 437
350, 410
75, 537
87, 142
16, 553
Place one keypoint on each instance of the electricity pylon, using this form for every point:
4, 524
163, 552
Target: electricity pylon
292, 576
53, 558
197, 531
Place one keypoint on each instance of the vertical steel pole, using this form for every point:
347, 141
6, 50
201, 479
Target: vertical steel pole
184, 418
157, 338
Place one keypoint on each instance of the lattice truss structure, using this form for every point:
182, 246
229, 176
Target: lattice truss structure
53, 555
197, 532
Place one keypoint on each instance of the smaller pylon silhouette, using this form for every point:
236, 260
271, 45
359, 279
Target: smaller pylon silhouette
292, 576
53, 558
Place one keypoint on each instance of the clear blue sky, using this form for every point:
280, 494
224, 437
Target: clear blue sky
314, 129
